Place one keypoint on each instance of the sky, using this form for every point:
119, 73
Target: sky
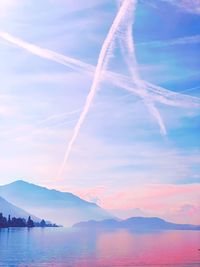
137, 151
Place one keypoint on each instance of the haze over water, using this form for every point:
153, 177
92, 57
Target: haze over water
61, 247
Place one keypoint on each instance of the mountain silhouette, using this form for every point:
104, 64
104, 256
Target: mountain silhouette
137, 224
9, 209
61, 207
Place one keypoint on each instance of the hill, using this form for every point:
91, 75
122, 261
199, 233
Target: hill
137, 224
61, 207
9, 209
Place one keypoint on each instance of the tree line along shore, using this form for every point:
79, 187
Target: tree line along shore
21, 222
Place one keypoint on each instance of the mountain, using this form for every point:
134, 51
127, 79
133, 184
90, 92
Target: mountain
9, 209
61, 207
128, 213
137, 224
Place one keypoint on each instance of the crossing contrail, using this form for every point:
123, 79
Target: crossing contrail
128, 50
156, 93
147, 91
101, 66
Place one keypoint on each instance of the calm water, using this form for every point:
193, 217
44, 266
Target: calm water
60, 247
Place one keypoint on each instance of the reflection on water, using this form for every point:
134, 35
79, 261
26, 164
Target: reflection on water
61, 247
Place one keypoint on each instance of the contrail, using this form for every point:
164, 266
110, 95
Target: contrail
63, 115
157, 93
48, 54
127, 45
101, 65
195, 39
191, 89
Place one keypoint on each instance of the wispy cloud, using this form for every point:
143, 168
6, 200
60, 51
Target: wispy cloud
195, 39
8, 5
77, 6
191, 6
6, 111
177, 203
63, 115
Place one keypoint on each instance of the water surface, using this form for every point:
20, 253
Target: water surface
61, 247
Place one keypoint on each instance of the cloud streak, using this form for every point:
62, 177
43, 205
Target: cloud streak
128, 49
188, 6
195, 39
63, 115
156, 93
101, 66
191, 6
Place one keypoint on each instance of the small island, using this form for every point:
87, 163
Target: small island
21, 222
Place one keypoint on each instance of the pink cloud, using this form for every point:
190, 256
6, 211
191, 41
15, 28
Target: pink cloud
178, 203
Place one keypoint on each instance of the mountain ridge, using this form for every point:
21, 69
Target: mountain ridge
31, 186
63, 208
7, 208
137, 224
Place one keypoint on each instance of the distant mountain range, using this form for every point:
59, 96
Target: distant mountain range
60, 207
137, 224
67, 209
9, 209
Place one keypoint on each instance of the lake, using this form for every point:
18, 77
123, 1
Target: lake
61, 247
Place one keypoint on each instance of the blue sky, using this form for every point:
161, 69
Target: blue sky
120, 149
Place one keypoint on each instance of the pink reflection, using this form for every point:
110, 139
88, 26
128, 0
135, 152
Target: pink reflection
123, 248
126, 249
